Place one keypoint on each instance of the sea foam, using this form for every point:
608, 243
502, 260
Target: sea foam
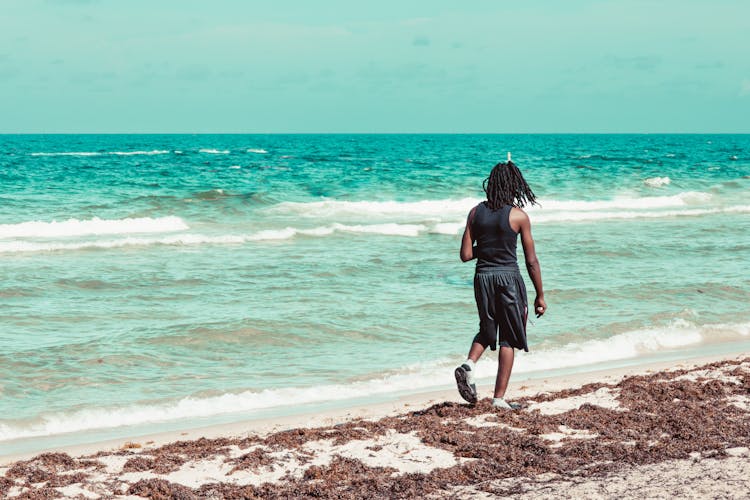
136, 153
448, 216
657, 181
189, 239
413, 378
87, 227
69, 153
334, 208
99, 153
180, 240
452, 207
683, 199
632, 214
96, 226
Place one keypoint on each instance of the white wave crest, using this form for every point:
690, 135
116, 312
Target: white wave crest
214, 151
259, 151
447, 227
386, 229
679, 333
450, 208
657, 181
333, 208
187, 239
541, 217
631, 214
383, 229
181, 240
448, 216
136, 153
94, 153
641, 203
69, 153
413, 378
95, 226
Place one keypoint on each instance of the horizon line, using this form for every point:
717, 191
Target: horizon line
374, 133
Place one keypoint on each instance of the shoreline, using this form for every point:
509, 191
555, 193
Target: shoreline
524, 385
664, 429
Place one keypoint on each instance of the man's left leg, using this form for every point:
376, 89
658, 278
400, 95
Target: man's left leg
504, 368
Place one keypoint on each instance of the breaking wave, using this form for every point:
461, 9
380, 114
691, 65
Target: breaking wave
414, 378
100, 153
442, 208
189, 239
657, 181
88, 227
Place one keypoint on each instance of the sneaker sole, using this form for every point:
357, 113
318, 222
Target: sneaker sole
464, 388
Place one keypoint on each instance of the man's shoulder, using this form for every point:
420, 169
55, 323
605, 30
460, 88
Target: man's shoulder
518, 212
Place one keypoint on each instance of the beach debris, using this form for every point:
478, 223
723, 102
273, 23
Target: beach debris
689, 425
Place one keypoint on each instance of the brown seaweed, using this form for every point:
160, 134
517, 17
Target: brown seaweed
660, 418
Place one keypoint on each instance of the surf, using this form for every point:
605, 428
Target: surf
88, 227
632, 344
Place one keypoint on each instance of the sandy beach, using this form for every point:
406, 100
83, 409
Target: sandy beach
245, 246
659, 430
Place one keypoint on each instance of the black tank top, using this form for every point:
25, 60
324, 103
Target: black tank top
496, 240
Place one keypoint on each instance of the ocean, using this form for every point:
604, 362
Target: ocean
166, 281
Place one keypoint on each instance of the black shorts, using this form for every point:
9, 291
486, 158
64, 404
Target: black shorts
503, 308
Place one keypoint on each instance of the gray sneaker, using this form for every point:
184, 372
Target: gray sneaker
502, 403
465, 382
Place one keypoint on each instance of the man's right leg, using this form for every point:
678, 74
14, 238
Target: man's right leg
465, 374
475, 352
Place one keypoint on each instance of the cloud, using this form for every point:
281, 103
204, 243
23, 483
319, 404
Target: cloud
415, 76
421, 41
745, 87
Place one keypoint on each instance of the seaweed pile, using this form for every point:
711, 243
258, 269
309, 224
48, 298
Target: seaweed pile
683, 414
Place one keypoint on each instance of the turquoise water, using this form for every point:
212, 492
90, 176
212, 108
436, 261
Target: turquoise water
164, 278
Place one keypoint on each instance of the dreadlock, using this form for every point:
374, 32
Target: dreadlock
506, 186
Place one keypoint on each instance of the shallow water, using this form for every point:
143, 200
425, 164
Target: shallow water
159, 278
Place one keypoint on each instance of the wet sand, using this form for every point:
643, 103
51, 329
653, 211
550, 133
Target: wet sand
666, 429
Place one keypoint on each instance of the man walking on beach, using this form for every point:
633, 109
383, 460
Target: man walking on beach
499, 289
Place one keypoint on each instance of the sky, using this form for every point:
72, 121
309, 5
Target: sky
335, 66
